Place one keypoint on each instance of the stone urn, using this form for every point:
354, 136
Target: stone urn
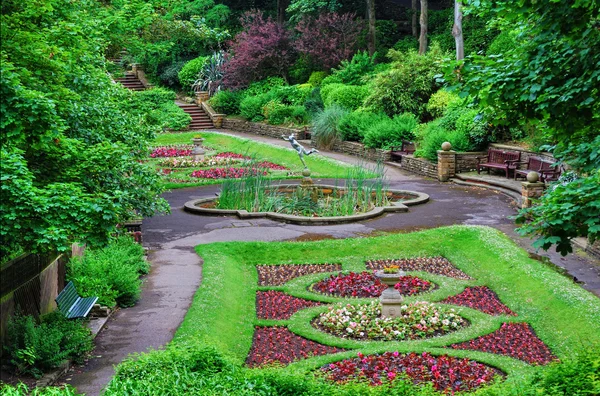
198, 152
391, 299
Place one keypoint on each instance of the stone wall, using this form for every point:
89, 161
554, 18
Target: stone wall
359, 150
274, 131
419, 166
467, 161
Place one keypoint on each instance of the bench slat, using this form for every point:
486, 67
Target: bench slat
73, 306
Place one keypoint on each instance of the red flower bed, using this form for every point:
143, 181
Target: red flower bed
447, 373
170, 152
273, 304
435, 265
517, 340
279, 345
481, 298
229, 154
270, 165
223, 173
366, 285
276, 275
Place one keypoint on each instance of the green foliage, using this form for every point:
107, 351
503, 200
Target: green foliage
439, 102
159, 108
300, 8
352, 72
281, 114
331, 79
294, 95
432, 135
406, 44
301, 70
353, 125
226, 102
325, 125
314, 102
169, 76
264, 86
388, 133
503, 42
210, 75
407, 85
350, 97
189, 72
111, 273
35, 348
316, 78
21, 389
251, 107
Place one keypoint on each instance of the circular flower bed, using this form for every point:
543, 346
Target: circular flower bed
447, 373
366, 285
364, 321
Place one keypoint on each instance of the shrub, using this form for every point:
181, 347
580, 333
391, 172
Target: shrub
472, 125
328, 89
350, 97
325, 126
111, 273
189, 72
407, 85
314, 102
406, 44
316, 78
300, 71
353, 125
351, 72
34, 348
264, 86
390, 132
503, 42
433, 135
251, 107
210, 75
170, 74
332, 79
277, 113
156, 96
169, 116
291, 95
226, 102
439, 101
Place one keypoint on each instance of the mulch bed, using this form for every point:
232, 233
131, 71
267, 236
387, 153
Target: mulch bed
482, 299
278, 345
276, 275
277, 305
517, 340
435, 265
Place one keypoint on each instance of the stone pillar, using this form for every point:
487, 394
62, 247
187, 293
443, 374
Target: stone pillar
202, 96
134, 69
531, 189
446, 162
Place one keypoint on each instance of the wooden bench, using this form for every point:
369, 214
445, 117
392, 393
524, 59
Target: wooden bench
536, 164
406, 149
499, 159
72, 305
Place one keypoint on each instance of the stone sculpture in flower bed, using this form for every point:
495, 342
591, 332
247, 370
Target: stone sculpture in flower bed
517, 340
366, 285
277, 275
447, 373
481, 298
277, 344
272, 304
435, 265
364, 321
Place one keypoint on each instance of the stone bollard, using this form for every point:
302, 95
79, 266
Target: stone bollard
446, 162
202, 96
531, 189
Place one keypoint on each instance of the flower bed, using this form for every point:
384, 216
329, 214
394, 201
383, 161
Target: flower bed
279, 345
517, 340
277, 305
175, 162
228, 154
269, 165
366, 285
224, 173
171, 151
364, 321
276, 275
447, 373
435, 265
481, 298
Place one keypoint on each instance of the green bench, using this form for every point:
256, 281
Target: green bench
72, 305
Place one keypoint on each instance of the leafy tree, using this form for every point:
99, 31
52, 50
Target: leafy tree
71, 142
550, 77
328, 39
299, 9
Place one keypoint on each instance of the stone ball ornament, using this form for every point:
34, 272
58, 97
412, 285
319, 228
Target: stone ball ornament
533, 177
446, 146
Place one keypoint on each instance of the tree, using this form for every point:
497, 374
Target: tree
282, 5
300, 9
423, 22
413, 8
371, 19
552, 77
457, 30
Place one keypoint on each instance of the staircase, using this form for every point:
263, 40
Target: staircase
132, 82
200, 120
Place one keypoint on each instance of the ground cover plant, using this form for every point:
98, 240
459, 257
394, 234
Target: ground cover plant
171, 157
564, 317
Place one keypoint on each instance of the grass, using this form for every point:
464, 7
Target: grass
320, 167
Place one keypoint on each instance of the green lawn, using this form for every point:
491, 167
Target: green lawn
222, 316
321, 167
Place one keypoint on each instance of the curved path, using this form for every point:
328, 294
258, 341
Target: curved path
176, 269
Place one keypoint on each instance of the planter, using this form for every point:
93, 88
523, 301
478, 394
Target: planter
391, 299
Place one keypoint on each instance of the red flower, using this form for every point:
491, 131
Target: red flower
481, 298
273, 304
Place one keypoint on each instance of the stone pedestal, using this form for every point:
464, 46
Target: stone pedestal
446, 163
531, 191
198, 151
306, 179
391, 299
202, 96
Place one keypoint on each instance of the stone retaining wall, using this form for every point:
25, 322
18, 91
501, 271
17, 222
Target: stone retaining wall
467, 161
419, 166
258, 128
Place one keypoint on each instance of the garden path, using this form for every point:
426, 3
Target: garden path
176, 270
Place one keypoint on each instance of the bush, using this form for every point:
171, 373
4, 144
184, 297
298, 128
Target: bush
314, 102
226, 102
170, 74
433, 135
390, 132
169, 116
472, 125
503, 42
300, 71
189, 72
21, 389
350, 97
439, 102
407, 43
251, 107
156, 96
352, 72
316, 78
407, 85
264, 86
294, 95
353, 125
111, 273
325, 126
34, 348
332, 79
